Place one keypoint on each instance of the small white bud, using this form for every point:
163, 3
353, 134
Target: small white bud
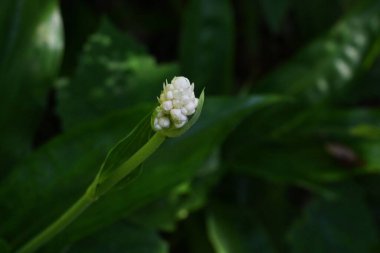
185, 99
169, 95
177, 103
167, 105
180, 82
156, 126
190, 108
164, 122
176, 114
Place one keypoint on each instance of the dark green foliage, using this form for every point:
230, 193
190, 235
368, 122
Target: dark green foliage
237, 230
207, 43
31, 44
121, 238
285, 156
321, 70
323, 228
112, 74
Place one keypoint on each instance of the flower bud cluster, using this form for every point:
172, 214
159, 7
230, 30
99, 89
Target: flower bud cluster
177, 103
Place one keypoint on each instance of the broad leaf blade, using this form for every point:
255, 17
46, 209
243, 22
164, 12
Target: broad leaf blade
30, 30
50, 174
126, 147
49, 177
329, 146
177, 161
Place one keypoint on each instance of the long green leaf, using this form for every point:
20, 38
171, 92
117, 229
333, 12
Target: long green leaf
31, 45
329, 146
174, 163
58, 173
320, 73
49, 173
323, 69
126, 147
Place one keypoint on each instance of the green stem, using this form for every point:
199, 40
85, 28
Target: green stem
94, 191
128, 166
62, 222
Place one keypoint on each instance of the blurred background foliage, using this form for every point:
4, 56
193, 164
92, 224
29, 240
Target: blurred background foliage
286, 154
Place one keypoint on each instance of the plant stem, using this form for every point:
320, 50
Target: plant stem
94, 191
75, 210
128, 166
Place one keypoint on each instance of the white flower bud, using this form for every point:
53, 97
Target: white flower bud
164, 122
177, 103
169, 95
167, 105
180, 82
176, 114
156, 126
190, 108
